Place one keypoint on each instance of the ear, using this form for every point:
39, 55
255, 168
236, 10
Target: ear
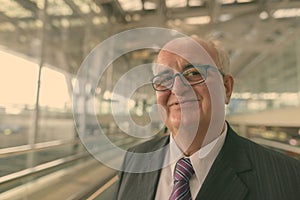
228, 84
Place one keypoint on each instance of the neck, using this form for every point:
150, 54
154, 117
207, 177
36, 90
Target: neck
197, 143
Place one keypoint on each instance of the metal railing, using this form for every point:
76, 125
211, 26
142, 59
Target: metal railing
9, 180
5, 152
102, 186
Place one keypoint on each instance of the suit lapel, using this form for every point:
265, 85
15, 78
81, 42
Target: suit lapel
223, 181
146, 183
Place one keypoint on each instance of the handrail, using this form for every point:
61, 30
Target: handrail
61, 161
107, 185
51, 164
5, 152
42, 167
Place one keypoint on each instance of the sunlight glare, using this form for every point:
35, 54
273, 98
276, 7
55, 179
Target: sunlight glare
18, 84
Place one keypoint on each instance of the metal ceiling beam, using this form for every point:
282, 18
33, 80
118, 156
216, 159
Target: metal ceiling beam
162, 11
214, 7
75, 9
5, 18
238, 27
29, 5
174, 13
234, 9
112, 9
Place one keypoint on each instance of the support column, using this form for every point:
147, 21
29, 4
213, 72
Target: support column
32, 136
297, 43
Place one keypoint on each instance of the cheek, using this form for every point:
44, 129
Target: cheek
161, 98
206, 105
205, 99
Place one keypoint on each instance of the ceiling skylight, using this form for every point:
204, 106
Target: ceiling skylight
13, 9
176, 3
39, 3
244, 1
195, 2
132, 5
197, 20
83, 5
287, 13
58, 7
227, 1
149, 5
7, 26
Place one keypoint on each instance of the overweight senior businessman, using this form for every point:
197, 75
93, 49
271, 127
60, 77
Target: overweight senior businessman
202, 157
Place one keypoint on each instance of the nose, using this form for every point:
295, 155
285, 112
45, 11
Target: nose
178, 85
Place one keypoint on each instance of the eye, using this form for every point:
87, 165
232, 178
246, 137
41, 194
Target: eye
162, 81
165, 78
193, 74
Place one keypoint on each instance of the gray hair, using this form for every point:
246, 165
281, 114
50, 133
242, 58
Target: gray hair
222, 60
223, 56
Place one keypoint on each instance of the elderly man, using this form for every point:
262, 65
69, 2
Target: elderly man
202, 157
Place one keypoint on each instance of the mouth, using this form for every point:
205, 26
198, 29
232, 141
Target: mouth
177, 103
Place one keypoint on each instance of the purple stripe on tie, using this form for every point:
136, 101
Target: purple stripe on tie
180, 189
184, 170
182, 173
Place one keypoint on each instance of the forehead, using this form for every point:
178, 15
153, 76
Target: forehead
168, 61
183, 51
171, 59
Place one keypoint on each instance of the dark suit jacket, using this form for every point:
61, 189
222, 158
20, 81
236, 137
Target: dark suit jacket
243, 170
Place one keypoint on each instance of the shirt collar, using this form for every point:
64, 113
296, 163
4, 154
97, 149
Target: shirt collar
203, 158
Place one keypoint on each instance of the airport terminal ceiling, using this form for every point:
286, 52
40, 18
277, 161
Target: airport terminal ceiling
256, 33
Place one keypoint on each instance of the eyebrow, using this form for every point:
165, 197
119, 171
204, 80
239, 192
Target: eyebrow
166, 71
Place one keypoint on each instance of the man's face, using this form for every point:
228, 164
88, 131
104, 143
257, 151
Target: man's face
194, 114
182, 101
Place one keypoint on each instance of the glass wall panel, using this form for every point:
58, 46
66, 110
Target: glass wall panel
55, 118
271, 84
18, 84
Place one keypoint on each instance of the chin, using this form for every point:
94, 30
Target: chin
185, 126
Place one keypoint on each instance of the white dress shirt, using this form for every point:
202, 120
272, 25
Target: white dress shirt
201, 160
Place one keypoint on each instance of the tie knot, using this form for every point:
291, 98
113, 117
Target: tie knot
183, 170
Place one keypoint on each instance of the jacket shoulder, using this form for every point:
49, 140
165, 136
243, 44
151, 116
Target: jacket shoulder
261, 152
150, 145
266, 161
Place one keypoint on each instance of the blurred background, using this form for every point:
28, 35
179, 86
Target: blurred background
44, 42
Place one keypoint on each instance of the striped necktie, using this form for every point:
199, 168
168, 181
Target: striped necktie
182, 174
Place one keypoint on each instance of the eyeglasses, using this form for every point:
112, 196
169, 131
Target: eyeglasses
193, 75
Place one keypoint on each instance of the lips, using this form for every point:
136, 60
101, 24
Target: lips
176, 103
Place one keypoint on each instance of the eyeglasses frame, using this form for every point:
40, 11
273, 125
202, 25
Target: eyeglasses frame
206, 67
